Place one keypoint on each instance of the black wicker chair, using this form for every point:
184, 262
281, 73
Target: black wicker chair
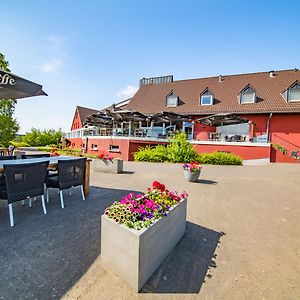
70, 174
23, 181
25, 156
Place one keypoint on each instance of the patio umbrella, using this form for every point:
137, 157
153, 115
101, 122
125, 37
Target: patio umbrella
126, 115
222, 119
15, 87
100, 119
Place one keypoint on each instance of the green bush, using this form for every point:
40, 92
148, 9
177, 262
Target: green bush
181, 150
45, 137
219, 158
19, 144
152, 154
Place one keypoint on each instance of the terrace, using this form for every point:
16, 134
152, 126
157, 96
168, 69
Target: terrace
126, 123
240, 242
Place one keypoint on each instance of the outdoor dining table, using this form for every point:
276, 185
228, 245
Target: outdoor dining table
53, 162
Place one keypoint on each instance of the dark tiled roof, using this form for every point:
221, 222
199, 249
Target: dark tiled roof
152, 98
84, 112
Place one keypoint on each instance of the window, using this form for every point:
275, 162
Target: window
293, 93
172, 100
206, 98
94, 147
248, 95
114, 148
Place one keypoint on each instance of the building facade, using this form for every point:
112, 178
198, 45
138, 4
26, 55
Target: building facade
269, 101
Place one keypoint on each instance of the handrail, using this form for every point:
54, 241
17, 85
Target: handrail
274, 134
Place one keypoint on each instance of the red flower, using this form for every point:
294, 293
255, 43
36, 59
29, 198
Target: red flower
159, 186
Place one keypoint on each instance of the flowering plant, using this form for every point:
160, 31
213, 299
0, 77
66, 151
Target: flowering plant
54, 154
193, 167
105, 157
142, 210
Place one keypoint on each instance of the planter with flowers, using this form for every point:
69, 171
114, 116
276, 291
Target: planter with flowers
139, 232
192, 171
108, 164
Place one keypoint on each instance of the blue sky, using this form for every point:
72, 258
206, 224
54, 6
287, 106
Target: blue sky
93, 53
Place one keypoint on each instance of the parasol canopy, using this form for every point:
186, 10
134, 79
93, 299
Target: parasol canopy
222, 119
169, 117
15, 87
126, 115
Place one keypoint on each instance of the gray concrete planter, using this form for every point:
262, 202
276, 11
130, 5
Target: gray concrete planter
191, 177
134, 255
105, 166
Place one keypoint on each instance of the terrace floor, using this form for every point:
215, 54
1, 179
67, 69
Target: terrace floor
242, 239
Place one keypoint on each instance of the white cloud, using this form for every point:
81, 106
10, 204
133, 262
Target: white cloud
127, 92
57, 56
52, 66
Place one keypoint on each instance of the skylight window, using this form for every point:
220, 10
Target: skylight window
207, 98
172, 100
248, 95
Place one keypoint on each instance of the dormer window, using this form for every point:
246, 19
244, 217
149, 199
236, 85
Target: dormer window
293, 93
172, 100
248, 95
207, 98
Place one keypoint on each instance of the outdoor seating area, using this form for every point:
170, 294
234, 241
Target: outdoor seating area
31, 177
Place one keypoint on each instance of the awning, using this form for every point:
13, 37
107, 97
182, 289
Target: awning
222, 119
15, 87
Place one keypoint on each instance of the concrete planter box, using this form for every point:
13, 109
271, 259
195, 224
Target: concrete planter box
134, 255
105, 166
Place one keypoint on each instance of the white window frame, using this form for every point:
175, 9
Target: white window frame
172, 96
288, 93
253, 98
207, 93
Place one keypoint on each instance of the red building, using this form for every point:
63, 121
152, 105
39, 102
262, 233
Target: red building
270, 101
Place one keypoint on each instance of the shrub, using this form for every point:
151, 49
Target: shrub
280, 148
219, 158
152, 154
179, 150
19, 144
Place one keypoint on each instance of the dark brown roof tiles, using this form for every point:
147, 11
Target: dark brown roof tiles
152, 98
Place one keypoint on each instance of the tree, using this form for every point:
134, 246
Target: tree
44, 137
8, 125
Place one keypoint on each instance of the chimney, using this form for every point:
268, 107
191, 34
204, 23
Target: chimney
272, 74
220, 78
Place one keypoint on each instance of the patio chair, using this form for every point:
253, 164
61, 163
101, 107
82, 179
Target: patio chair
25, 156
70, 174
5, 157
23, 181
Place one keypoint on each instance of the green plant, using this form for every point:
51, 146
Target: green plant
19, 144
152, 154
219, 158
179, 150
280, 148
44, 137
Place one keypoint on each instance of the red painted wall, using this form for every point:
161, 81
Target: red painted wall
284, 130
244, 152
76, 124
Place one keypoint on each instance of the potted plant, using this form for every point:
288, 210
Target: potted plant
192, 171
139, 232
108, 164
